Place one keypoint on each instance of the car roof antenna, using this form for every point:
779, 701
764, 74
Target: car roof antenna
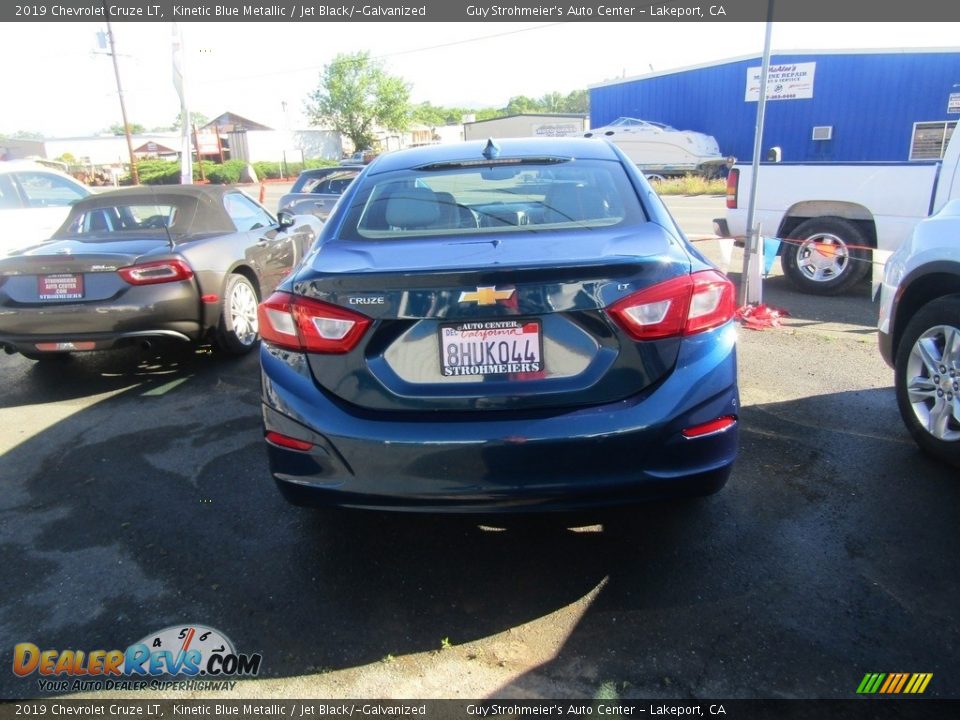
166, 224
492, 150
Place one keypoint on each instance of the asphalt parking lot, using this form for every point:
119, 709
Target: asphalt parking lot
136, 496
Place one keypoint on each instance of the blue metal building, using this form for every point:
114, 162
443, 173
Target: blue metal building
867, 105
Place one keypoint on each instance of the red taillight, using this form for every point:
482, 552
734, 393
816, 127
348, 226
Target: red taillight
733, 183
288, 442
683, 305
710, 428
295, 322
151, 273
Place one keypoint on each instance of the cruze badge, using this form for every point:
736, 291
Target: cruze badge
486, 295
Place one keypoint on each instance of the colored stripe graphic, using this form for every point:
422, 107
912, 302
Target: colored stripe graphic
894, 683
870, 683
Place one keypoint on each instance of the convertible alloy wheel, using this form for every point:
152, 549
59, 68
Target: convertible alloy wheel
239, 330
928, 378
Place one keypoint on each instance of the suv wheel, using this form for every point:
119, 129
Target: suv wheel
928, 378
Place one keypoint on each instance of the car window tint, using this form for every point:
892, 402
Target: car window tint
519, 197
48, 190
245, 213
9, 199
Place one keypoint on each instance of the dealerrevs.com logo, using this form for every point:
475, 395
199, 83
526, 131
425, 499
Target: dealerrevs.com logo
201, 657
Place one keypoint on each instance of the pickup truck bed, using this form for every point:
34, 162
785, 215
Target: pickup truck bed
838, 219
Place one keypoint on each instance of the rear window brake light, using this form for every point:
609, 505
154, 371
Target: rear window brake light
496, 161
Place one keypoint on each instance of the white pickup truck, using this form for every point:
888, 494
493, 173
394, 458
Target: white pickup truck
835, 218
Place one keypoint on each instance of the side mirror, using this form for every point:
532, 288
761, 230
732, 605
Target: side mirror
286, 219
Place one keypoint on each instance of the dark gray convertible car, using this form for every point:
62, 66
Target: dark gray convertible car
131, 266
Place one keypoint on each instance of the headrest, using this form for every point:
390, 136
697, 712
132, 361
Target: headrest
412, 208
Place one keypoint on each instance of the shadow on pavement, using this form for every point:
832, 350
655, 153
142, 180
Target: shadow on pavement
80, 375
160, 510
821, 559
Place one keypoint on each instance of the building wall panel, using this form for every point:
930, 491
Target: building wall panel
871, 99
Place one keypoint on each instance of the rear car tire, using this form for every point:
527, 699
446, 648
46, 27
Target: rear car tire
820, 259
927, 370
238, 331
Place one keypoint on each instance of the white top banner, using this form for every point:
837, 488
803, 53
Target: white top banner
788, 81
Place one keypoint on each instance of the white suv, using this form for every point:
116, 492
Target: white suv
920, 331
34, 202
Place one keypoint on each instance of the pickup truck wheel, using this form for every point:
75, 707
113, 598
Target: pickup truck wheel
824, 256
238, 331
927, 370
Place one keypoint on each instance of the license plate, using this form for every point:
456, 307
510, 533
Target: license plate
491, 347
64, 286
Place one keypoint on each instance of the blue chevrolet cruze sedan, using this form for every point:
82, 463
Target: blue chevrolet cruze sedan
500, 326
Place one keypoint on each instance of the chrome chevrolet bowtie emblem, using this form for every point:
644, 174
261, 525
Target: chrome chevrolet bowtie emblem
486, 295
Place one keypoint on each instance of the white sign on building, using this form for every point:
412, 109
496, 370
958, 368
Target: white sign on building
557, 129
788, 81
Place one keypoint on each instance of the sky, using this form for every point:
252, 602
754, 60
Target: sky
55, 81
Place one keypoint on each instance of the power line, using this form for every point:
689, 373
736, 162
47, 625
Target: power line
465, 41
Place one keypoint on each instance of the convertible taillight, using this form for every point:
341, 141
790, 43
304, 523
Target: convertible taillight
299, 323
151, 273
683, 305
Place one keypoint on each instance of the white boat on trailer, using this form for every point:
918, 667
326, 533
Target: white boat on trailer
660, 150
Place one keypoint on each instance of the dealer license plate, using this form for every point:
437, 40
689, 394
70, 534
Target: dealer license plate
486, 348
63, 286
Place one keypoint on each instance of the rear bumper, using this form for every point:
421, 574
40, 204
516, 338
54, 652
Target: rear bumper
165, 310
73, 342
500, 461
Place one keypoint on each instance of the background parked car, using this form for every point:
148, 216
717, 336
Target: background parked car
131, 266
34, 201
316, 191
920, 331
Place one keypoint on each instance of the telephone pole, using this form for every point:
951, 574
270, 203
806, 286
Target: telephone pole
123, 108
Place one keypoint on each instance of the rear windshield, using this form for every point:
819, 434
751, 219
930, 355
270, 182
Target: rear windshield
503, 198
122, 218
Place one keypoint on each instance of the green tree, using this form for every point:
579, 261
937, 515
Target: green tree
196, 118
431, 115
520, 104
436, 115
577, 101
551, 103
355, 95
486, 113
135, 129
26, 135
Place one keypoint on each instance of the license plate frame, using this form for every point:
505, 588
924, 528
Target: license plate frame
494, 348
60, 287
